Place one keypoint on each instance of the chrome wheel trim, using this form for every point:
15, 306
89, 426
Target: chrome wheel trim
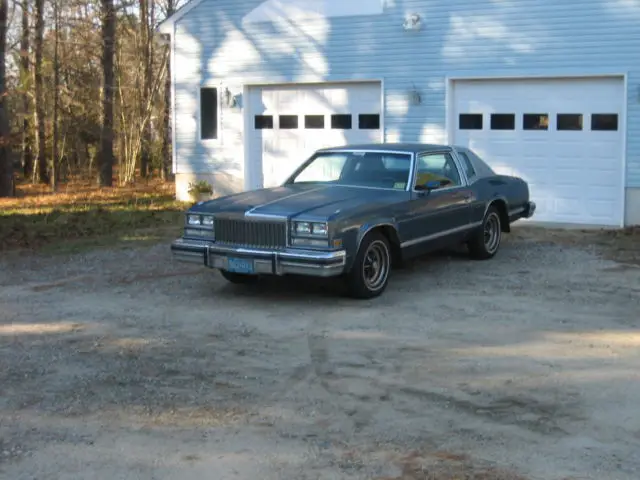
375, 265
492, 232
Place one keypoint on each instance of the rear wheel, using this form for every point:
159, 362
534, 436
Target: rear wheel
238, 278
484, 244
369, 275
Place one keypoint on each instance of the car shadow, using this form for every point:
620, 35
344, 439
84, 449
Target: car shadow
450, 254
292, 287
289, 287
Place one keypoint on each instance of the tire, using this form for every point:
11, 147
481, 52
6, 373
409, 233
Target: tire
484, 243
369, 274
239, 278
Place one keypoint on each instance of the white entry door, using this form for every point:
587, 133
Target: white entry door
564, 136
289, 122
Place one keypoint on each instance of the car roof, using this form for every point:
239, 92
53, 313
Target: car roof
392, 147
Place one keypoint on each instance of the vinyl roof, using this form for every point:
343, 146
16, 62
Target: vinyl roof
388, 147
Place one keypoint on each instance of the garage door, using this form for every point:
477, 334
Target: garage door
565, 137
287, 123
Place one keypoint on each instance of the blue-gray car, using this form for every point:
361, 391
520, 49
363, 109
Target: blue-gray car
354, 213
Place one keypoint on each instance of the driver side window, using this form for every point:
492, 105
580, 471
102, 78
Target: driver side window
437, 167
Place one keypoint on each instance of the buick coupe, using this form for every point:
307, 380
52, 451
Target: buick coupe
354, 213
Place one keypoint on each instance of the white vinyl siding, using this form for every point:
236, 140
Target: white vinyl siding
464, 38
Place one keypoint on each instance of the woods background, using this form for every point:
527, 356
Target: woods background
85, 91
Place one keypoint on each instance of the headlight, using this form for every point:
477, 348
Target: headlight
302, 228
319, 229
310, 228
194, 220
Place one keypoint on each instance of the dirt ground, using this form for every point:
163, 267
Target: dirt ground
120, 364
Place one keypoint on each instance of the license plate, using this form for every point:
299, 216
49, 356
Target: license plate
239, 265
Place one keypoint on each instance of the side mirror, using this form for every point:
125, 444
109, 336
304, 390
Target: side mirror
432, 185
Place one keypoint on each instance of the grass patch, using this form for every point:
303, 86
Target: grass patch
83, 215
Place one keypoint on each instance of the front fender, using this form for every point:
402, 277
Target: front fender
353, 235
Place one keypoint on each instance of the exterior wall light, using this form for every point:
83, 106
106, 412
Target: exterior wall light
412, 22
229, 98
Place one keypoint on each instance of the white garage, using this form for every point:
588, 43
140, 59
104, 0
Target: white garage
564, 136
286, 123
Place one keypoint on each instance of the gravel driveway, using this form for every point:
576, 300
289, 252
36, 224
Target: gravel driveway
120, 364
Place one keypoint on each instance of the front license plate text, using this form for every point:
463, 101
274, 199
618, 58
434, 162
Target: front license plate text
240, 265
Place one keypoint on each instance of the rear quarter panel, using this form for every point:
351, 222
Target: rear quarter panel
514, 191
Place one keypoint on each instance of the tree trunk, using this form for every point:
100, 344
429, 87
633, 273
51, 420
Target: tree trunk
166, 131
146, 59
43, 173
6, 159
108, 49
56, 96
27, 151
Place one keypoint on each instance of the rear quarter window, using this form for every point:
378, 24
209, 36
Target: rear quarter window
467, 165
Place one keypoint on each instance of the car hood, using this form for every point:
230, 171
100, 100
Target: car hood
313, 201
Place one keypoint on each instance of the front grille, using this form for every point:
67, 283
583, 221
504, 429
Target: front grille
251, 233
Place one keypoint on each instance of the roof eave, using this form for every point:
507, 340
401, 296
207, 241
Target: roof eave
166, 26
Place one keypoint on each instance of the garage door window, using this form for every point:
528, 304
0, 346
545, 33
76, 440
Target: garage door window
503, 121
369, 121
535, 121
263, 122
341, 122
604, 122
288, 122
569, 121
470, 121
314, 121
208, 113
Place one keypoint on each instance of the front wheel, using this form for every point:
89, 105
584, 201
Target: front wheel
369, 275
238, 278
484, 244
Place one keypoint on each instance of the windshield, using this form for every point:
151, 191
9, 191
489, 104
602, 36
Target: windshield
365, 169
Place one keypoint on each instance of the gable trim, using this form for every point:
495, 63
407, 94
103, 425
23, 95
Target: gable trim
273, 10
166, 26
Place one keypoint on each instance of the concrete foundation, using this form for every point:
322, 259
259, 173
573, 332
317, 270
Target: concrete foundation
632, 207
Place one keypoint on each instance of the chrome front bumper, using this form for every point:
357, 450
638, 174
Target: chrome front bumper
269, 262
191, 251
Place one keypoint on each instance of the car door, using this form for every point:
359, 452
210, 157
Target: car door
442, 212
